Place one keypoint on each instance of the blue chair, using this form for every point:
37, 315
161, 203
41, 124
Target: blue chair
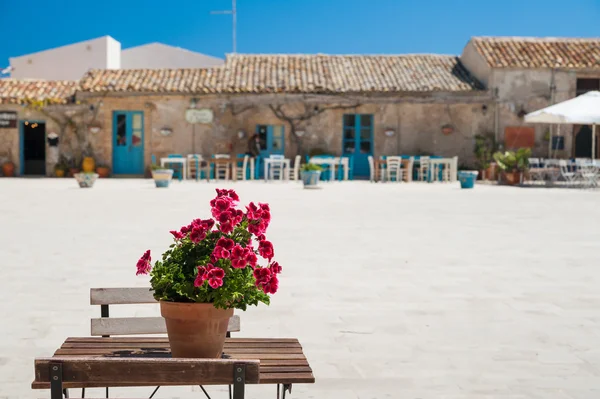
177, 167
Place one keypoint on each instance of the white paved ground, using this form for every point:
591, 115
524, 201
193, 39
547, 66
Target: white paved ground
395, 291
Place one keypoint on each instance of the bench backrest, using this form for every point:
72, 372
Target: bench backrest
81, 372
105, 325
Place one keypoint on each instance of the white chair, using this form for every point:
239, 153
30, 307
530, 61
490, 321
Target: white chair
535, 171
394, 168
221, 169
295, 171
371, 168
276, 167
409, 169
194, 166
565, 173
241, 172
424, 168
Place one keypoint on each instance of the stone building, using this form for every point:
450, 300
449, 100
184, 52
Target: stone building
297, 104
527, 74
301, 104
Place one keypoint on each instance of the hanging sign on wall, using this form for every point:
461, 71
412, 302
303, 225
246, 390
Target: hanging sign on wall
8, 119
203, 115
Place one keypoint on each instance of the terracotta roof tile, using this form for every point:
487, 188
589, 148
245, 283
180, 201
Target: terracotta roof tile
204, 80
525, 52
318, 74
13, 91
252, 73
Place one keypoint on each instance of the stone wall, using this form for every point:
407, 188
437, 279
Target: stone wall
417, 126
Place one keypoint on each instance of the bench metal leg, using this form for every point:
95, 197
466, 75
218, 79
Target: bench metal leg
239, 381
286, 387
204, 390
56, 386
154, 392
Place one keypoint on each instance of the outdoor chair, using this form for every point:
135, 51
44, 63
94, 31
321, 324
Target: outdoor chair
567, 175
221, 169
424, 168
195, 167
241, 169
177, 167
295, 171
394, 168
371, 168
535, 171
276, 167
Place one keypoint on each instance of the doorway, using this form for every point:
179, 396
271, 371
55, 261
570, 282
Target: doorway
128, 142
358, 141
33, 148
583, 141
271, 140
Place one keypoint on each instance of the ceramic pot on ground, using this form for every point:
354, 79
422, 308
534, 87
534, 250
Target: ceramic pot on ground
103, 171
86, 180
511, 178
8, 169
88, 165
467, 178
162, 177
59, 172
195, 329
491, 172
310, 179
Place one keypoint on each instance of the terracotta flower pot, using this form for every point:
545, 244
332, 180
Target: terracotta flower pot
59, 172
511, 178
103, 171
88, 165
73, 171
195, 329
8, 169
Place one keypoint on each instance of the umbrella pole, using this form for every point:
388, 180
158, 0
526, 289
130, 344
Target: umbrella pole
550, 143
593, 141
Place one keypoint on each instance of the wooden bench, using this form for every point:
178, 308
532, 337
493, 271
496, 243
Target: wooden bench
106, 326
64, 372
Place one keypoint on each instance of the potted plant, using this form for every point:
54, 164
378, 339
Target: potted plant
310, 175
484, 149
513, 164
103, 170
8, 166
161, 175
62, 167
213, 266
86, 179
467, 178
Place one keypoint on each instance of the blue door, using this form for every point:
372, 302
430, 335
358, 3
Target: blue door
128, 142
358, 141
272, 142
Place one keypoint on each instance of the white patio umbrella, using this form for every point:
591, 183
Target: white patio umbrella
582, 110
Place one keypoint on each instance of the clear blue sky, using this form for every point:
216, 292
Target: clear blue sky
290, 26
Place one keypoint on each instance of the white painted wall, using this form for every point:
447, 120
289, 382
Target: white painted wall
68, 62
158, 55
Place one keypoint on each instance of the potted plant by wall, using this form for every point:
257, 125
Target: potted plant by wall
103, 171
162, 176
513, 164
467, 178
311, 174
214, 266
8, 166
86, 179
484, 149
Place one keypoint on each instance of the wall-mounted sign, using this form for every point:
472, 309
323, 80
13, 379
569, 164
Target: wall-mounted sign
166, 131
202, 115
8, 119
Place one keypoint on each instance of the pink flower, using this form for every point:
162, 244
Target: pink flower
238, 257
200, 277
262, 275
186, 229
215, 277
272, 286
228, 193
265, 249
143, 264
220, 205
220, 253
251, 258
226, 227
197, 234
177, 234
226, 243
275, 268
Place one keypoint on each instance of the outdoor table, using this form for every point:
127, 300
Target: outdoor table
282, 360
182, 161
435, 164
331, 162
286, 166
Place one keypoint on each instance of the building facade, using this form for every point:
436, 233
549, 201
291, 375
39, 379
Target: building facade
353, 106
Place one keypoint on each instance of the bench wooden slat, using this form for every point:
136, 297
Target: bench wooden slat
287, 378
90, 371
233, 340
153, 345
141, 325
121, 296
232, 354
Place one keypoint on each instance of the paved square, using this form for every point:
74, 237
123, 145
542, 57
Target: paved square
394, 290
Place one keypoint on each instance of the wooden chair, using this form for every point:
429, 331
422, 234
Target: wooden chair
424, 168
221, 169
61, 373
394, 168
295, 171
106, 326
196, 167
371, 169
241, 171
